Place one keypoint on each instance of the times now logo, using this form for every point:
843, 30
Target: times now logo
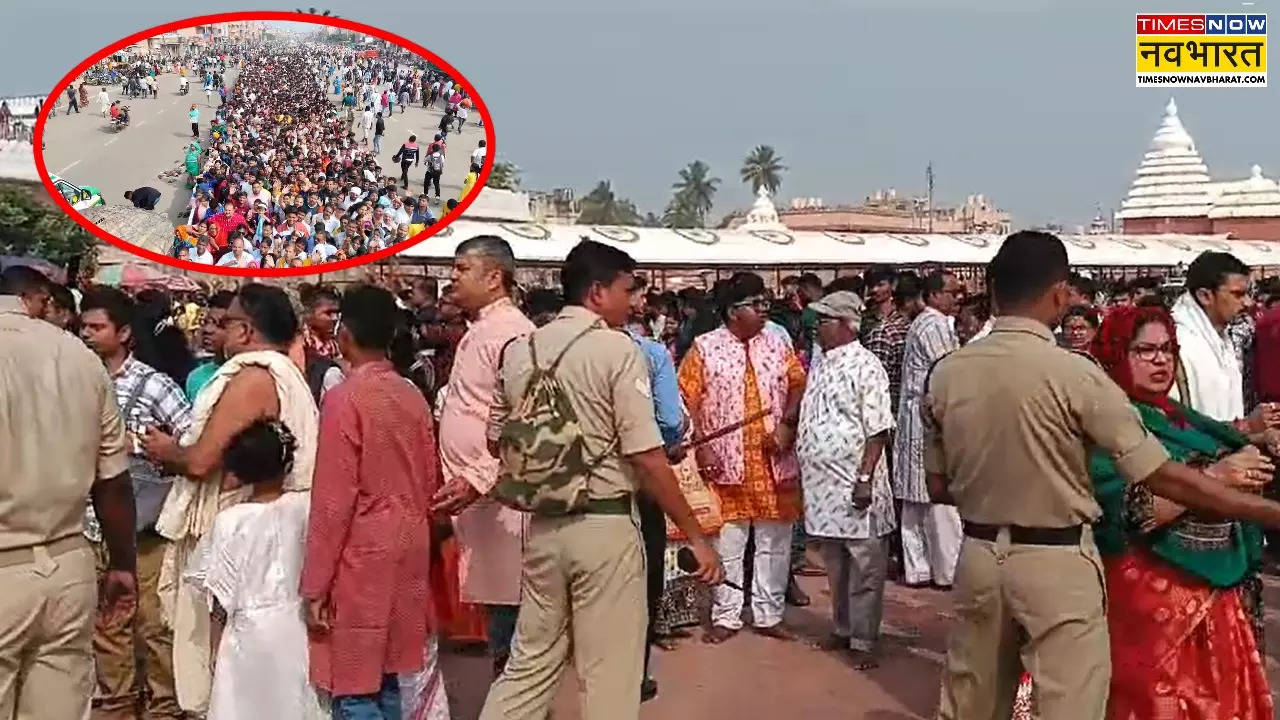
1214, 24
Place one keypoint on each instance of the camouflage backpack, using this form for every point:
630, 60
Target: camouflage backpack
545, 465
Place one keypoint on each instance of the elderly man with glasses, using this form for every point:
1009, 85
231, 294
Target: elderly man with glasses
257, 380
845, 420
743, 386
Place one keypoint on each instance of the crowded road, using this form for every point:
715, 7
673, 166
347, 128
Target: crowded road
83, 148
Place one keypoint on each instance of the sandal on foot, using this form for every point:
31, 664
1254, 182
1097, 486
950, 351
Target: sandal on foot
863, 660
778, 632
718, 634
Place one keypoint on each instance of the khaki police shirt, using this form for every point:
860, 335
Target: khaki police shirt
1009, 420
60, 429
606, 380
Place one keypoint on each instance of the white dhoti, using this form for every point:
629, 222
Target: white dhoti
931, 535
192, 505
770, 573
422, 695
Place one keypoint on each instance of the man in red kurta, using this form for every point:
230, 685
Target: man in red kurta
368, 539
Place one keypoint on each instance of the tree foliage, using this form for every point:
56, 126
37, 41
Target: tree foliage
695, 192
35, 228
680, 213
602, 206
763, 168
505, 176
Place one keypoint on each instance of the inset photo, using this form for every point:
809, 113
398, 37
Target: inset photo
264, 143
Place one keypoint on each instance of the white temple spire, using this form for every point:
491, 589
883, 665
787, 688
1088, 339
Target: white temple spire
1172, 180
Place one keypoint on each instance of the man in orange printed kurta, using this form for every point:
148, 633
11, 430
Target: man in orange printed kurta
368, 538
731, 375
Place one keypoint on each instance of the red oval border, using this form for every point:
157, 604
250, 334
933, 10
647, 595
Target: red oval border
329, 21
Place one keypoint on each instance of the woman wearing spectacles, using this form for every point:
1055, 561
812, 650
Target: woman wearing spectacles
1178, 611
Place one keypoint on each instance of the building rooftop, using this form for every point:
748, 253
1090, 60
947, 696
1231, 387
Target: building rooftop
755, 246
1259, 196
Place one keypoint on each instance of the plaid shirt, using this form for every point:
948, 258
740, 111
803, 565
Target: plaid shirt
160, 402
886, 341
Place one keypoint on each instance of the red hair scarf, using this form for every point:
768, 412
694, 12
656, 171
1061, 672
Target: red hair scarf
1111, 349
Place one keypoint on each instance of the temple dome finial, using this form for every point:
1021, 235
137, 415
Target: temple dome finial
1259, 196
763, 214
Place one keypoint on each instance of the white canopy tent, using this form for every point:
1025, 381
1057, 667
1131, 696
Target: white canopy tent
660, 247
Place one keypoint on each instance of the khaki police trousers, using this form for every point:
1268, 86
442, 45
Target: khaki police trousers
118, 645
47, 607
582, 591
1036, 607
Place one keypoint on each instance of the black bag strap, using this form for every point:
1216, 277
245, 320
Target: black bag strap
1180, 378
502, 354
136, 395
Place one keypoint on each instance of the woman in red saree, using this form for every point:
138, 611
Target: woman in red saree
1183, 646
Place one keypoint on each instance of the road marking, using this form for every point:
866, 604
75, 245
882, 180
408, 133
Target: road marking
141, 123
112, 139
65, 169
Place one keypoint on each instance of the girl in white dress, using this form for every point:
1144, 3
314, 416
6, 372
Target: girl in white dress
248, 568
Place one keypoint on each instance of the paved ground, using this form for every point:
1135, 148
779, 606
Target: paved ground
755, 677
83, 149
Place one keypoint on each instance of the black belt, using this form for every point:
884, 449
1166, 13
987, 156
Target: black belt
1019, 535
620, 505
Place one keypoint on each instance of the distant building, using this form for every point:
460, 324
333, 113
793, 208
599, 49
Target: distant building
557, 207
1174, 193
887, 212
17, 156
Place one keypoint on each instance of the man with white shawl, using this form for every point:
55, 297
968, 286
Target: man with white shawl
1209, 378
258, 380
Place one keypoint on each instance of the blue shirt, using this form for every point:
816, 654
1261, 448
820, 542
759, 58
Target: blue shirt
666, 391
199, 377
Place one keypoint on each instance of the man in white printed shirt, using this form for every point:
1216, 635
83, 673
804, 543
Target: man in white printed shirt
845, 419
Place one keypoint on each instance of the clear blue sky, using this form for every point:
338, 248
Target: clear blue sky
1028, 101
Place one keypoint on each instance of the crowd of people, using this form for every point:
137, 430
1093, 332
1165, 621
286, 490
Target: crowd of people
293, 496
287, 182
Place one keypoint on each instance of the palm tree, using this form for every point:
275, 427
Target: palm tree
680, 213
505, 176
763, 168
602, 207
696, 189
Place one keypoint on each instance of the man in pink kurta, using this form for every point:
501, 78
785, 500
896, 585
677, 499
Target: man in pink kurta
490, 535
369, 534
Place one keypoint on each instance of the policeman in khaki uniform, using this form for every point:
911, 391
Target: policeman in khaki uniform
62, 440
1008, 420
583, 587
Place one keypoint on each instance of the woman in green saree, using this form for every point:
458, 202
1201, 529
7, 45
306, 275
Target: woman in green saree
1182, 643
